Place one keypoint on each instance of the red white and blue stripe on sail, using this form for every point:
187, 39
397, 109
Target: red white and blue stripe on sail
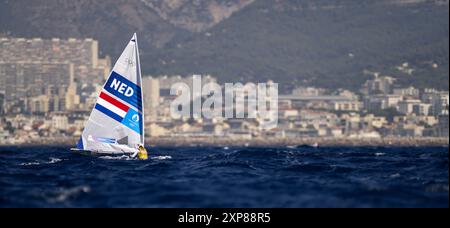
118, 110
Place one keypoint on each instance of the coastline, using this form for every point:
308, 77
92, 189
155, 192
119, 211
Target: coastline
259, 142
328, 142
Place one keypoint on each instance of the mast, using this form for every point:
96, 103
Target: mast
139, 75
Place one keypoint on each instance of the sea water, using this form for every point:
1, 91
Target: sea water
227, 177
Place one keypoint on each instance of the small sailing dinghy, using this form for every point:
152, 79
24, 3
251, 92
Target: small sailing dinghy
116, 124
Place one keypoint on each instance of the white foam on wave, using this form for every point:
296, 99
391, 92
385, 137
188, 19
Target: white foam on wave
123, 157
36, 163
380, 154
162, 158
29, 163
54, 160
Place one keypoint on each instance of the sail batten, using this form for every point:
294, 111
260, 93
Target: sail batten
118, 113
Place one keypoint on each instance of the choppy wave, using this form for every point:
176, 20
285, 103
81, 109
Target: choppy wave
54, 160
128, 158
29, 163
300, 176
161, 158
64, 194
122, 157
36, 163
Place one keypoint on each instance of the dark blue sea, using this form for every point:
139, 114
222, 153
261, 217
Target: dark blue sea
228, 177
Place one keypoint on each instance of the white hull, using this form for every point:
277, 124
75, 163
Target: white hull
101, 153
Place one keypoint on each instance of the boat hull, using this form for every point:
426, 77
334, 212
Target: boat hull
99, 154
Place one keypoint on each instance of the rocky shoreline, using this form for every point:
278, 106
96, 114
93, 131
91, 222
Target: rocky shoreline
260, 142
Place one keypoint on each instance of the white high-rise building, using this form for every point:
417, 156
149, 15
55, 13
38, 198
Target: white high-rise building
72, 98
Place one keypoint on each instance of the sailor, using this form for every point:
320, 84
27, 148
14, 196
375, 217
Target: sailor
142, 154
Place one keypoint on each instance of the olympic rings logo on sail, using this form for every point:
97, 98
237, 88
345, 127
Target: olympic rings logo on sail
130, 62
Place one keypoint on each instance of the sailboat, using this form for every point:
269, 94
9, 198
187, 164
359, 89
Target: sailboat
116, 123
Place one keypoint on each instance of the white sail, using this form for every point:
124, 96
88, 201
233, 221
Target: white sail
116, 122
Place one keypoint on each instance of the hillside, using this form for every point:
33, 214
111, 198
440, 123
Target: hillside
314, 42
327, 47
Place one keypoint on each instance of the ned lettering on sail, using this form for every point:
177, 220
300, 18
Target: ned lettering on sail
122, 88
